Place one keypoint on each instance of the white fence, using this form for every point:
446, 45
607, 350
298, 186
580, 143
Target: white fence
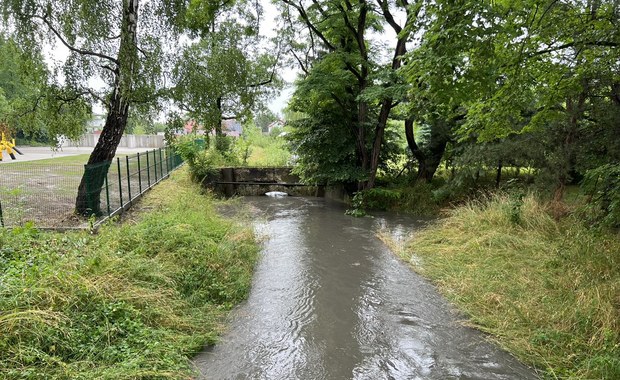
127, 141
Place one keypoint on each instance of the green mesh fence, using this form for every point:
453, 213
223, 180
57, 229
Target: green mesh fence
45, 194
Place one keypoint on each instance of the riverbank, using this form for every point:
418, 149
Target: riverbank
548, 291
135, 301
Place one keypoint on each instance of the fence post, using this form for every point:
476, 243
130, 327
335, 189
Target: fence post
169, 156
120, 180
107, 192
148, 169
128, 179
167, 162
139, 174
161, 164
168, 166
155, 162
1, 217
87, 175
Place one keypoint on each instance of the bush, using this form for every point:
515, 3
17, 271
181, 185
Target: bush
602, 185
203, 161
416, 200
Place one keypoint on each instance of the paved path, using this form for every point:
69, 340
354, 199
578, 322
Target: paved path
31, 153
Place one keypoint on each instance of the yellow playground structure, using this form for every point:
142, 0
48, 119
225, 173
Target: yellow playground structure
6, 143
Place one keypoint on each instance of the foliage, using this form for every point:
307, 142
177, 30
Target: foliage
203, 160
137, 301
343, 99
602, 186
357, 204
379, 199
543, 69
545, 289
261, 149
263, 118
96, 54
31, 105
417, 200
228, 71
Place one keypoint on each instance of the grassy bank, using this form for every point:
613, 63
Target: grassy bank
133, 302
548, 291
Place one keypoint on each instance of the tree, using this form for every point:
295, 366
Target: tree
490, 70
226, 73
339, 32
30, 104
117, 42
263, 118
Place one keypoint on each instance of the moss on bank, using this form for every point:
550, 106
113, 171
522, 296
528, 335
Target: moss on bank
135, 301
547, 290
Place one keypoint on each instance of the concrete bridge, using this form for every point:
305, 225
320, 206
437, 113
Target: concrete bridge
258, 181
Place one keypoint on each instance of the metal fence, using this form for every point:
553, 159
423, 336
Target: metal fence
45, 193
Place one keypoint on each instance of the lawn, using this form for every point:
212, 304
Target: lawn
44, 191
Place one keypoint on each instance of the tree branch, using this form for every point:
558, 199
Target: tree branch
385, 9
71, 47
574, 44
34, 107
301, 64
309, 24
99, 98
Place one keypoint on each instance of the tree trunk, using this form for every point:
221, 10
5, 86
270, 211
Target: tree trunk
575, 110
88, 200
428, 161
498, 176
221, 143
386, 107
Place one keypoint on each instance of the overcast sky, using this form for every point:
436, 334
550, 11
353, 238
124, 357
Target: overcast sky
57, 54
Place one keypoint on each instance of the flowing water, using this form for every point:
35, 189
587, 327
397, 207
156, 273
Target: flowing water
330, 301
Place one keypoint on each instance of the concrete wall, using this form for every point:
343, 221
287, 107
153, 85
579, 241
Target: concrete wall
267, 176
127, 141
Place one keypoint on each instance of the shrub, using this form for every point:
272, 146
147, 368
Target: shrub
603, 188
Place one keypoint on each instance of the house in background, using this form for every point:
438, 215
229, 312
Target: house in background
232, 128
192, 126
96, 123
275, 124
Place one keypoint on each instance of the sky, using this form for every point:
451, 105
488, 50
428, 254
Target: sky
270, 29
56, 54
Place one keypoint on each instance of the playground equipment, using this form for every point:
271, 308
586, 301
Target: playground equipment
8, 144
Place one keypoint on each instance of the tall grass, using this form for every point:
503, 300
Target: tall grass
547, 290
134, 302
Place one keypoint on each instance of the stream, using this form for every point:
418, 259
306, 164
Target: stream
330, 301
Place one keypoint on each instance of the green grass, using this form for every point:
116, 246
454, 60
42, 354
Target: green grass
547, 290
78, 159
135, 301
271, 155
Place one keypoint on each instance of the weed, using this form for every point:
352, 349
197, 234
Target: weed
357, 203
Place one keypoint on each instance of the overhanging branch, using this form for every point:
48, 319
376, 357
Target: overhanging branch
71, 47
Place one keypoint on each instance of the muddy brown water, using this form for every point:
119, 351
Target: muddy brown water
330, 301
